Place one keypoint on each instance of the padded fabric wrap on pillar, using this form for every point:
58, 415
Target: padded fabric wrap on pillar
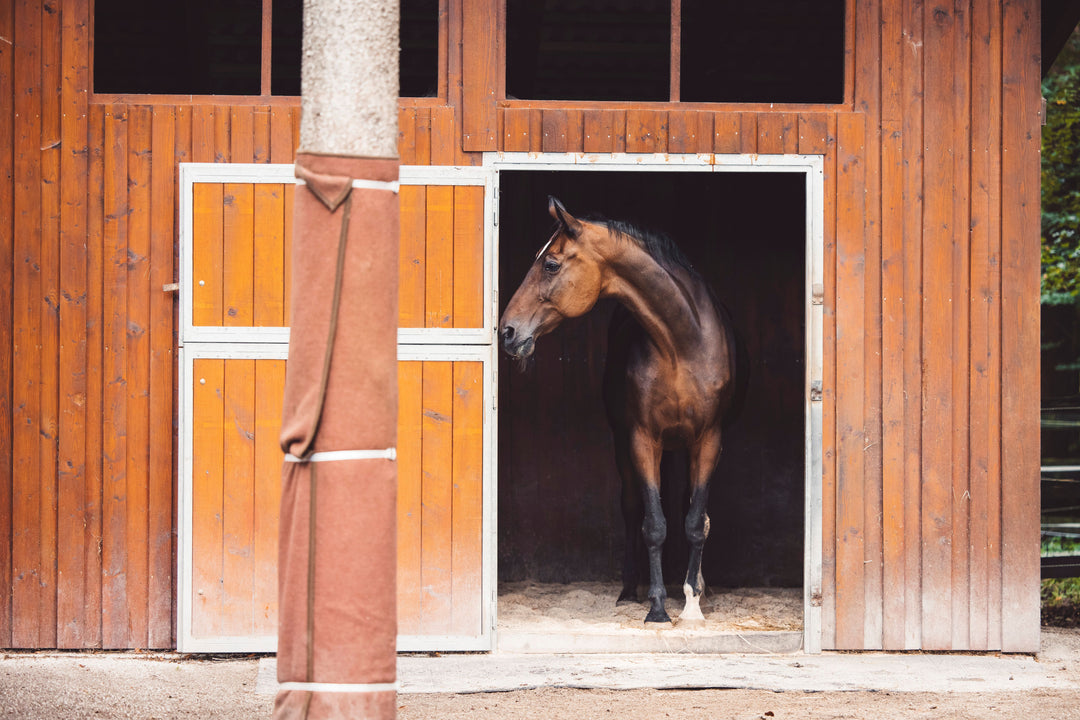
337, 556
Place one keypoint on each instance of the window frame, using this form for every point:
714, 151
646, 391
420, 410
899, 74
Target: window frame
265, 97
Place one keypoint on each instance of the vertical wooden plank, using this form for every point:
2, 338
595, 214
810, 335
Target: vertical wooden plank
536, 130
789, 128
683, 130
481, 54
911, 98
268, 283
207, 475
422, 151
202, 133
26, 595
554, 131
269, 386
407, 135
290, 189
770, 133
727, 129
892, 331
114, 544
937, 337
261, 131
868, 101
222, 134
598, 131
294, 113
515, 130
575, 131
646, 131
961, 282
443, 136
238, 498
241, 134
71, 530
439, 257
468, 495
437, 497
207, 246
138, 373
238, 254
748, 133
409, 506
281, 145
813, 134
468, 257
413, 249
980, 296
51, 140
985, 408
829, 451
1020, 252
7, 336
850, 359
162, 389
95, 378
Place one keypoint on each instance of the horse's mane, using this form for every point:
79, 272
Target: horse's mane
659, 245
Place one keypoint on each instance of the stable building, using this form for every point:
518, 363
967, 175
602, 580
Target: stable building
859, 181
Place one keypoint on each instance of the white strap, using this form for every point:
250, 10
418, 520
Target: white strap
393, 185
339, 687
338, 455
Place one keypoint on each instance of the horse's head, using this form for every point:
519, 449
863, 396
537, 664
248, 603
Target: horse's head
564, 281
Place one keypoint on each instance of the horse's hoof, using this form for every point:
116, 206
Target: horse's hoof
658, 616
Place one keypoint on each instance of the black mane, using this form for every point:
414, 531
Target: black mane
659, 245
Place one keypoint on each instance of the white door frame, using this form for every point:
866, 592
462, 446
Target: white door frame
444, 344
812, 166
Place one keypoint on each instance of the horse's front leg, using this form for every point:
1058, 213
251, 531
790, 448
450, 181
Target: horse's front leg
703, 459
646, 452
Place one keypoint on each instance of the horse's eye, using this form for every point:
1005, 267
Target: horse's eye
551, 266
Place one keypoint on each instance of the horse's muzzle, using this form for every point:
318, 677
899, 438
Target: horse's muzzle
515, 346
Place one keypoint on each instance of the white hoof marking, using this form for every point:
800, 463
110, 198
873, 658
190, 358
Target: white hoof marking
692, 609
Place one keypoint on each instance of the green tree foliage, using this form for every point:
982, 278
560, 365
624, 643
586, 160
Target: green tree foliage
1061, 179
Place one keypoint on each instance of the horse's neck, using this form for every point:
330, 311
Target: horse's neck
661, 302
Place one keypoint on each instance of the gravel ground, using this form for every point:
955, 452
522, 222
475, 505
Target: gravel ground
134, 685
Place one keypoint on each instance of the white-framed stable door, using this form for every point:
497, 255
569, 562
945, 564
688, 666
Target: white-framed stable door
235, 245
603, 174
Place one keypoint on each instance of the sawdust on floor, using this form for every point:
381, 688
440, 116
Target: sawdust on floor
589, 608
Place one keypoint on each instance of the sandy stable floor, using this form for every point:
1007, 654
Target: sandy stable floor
589, 608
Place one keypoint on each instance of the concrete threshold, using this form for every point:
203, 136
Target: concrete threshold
828, 672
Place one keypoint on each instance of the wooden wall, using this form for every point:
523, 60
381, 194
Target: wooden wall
931, 299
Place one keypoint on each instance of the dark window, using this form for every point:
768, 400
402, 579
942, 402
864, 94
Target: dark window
285, 46
419, 60
194, 47
585, 50
787, 51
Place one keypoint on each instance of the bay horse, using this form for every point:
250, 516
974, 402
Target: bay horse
669, 379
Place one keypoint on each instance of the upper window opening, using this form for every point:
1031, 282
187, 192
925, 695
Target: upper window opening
765, 51
286, 31
573, 50
787, 51
203, 47
215, 47
419, 39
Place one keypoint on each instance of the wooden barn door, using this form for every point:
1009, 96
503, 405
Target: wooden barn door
236, 227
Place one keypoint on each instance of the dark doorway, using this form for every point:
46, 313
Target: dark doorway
559, 517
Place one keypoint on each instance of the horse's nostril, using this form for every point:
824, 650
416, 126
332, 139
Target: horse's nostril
508, 333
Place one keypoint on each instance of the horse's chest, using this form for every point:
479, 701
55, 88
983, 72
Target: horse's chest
674, 404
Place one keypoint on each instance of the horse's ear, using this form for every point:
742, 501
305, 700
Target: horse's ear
570, 224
